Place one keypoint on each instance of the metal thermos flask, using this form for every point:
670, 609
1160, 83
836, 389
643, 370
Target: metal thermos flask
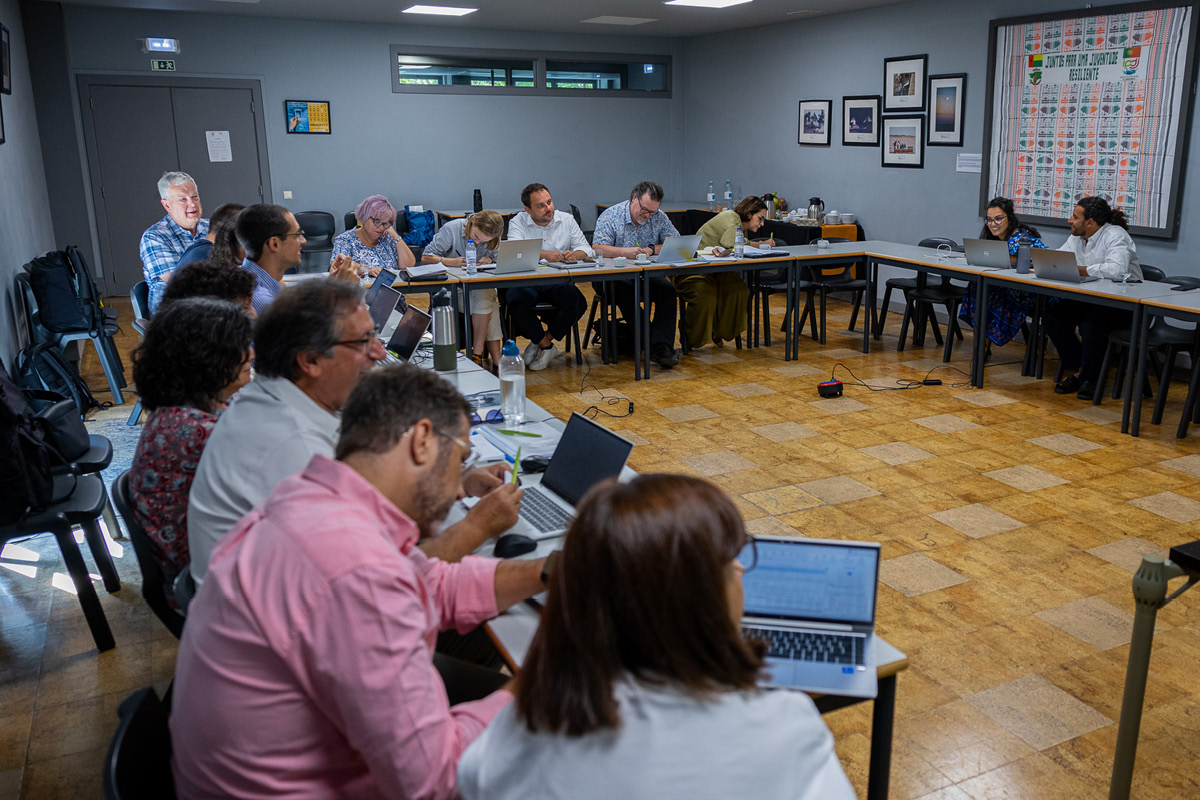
478, 201
445, 351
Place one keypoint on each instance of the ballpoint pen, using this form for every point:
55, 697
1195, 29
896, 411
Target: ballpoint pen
516, 466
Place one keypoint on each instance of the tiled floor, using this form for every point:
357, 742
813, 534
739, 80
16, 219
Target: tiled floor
1011, 520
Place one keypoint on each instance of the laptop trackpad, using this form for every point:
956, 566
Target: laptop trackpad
842, 679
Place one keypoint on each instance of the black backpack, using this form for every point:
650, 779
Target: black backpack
55, 283
43, 366
26, 485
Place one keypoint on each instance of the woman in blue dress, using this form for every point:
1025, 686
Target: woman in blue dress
1007, 308
373, 244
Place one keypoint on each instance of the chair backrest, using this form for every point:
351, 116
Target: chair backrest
1152, 273
1190, 281
575, 213
937, 241
318, 227
153, 580
140, 296
350, 220
138, 766
835, 239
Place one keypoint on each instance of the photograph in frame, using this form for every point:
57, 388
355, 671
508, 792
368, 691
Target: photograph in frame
860, 120
904, 83
814, 122
5, 60
307, 116
947, 96
903, 139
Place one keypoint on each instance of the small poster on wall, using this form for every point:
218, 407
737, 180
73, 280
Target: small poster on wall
307, 116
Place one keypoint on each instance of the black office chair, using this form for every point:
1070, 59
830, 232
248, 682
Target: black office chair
139, 295
138, 766
919, 303
154, 582
319, 228
542, 310
824, 280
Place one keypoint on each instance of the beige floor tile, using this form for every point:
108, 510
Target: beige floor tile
1127, 553
785, 432
714, 355
1038, 711
632, 437
798, 370
977, 520
896, 453
839, 405
946, 423
924, 364
1035, 776
1025, 478
746, 390
1092, 620
1095, 415
1013, 377
1065, 443
718, 463
841, 489
1189, 464
533, 379
783, 500
985, 399
688, 413
841, 353
1173, 506
770, 526
915, 574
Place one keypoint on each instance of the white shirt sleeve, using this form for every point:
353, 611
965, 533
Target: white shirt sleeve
1112, 254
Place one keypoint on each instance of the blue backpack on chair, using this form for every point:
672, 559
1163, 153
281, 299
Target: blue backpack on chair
420, 228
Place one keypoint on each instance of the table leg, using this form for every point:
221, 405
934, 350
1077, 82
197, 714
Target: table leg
869, 300
642, 344
882, 720
466, 316
1133, 397
875, 307
980, 334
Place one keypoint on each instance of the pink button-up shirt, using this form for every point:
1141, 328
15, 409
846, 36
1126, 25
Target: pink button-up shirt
305, 669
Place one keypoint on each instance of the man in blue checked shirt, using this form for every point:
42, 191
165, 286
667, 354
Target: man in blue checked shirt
628, 229
164, 242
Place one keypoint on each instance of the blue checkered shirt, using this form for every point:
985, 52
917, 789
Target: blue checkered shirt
163, 244
614, 227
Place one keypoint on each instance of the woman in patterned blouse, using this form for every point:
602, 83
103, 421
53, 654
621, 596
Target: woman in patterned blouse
374, 243
196, 353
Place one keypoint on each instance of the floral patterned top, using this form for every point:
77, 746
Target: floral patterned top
160, 479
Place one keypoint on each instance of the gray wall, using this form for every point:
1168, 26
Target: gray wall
24, 207
740, 109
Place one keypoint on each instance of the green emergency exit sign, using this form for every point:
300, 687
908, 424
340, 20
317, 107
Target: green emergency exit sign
164, 64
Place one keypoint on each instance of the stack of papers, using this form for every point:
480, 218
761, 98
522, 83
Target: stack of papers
534, 438
418, 271
750, 251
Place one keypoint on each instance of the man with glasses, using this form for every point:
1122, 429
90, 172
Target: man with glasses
272, 238
312, 345
307, 668
630, 229
165, 241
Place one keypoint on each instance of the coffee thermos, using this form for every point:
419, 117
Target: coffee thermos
445, 351
478, 201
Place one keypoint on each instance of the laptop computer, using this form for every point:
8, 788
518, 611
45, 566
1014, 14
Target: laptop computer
382, 306
812, 601
386, 277
407, 336
586, 454
518, 255
1058, 265
987, 253
678, 249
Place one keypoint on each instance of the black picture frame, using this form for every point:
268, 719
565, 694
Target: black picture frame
5, 60
860, 137
912, 144
1, 123
904, 83
813, 122
305, 117
946, 123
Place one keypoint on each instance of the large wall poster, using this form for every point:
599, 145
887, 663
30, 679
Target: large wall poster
1090, 105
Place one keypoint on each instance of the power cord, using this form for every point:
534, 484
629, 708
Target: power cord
591, 412
905, 384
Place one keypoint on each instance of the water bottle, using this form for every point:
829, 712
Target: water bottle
712, 197
728, 193
477, 203
739, 243
1024, 245
472, 267
445, 351
512, 384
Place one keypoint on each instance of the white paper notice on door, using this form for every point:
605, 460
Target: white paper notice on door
218, 146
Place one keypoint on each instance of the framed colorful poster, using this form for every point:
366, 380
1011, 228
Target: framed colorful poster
860, 120
904, 83
947, 93
814, 122
904, 141
307, 116
1091, 102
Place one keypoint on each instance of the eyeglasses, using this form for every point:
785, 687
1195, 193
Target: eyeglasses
493, 417
363, 344
996, 220
471, 458
753, 547
378, 223
286, 235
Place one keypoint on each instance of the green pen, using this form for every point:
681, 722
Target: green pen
516, 466
520, 433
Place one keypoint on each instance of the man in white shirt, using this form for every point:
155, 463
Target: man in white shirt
562, 240
1103, 248
311, 344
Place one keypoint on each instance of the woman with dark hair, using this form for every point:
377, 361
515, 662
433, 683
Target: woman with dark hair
196, 353
638, 683
220, 244
209, 278
716, 301
1007, 308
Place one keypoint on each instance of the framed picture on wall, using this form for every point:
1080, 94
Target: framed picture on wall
860, 120
904, 83
1, 123
814, 122
904, 141
5, 60
307, 116
947, 94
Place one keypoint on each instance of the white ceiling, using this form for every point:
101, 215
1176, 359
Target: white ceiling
565, 16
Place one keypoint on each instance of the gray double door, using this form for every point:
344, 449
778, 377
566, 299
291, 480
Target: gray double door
138, 128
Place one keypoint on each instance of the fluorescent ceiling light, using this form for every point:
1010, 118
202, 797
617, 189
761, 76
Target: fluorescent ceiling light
620, 20
706, 3
445, 11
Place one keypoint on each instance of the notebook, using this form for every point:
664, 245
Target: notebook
382, 306
407, 336
1058, 265
587, 454
987, 253
678, 249
386, 277
812, 601
518, 255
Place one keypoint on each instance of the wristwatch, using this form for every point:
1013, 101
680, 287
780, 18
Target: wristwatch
548, 567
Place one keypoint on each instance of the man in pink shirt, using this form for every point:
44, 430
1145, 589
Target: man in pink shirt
307, 666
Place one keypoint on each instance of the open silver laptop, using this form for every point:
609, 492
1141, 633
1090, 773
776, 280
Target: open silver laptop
382, 306
518, 255
987, 253
586, 454
678, 249
407, 336
812, 601
1058, 265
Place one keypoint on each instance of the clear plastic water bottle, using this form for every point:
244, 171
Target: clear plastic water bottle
1024, 245
728, 193
512, 384
712, 197
472, 267
739, 243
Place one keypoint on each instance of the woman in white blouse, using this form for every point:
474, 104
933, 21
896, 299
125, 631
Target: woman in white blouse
638, 683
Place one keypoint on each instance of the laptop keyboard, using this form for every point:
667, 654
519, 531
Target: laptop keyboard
543, 513
831, 648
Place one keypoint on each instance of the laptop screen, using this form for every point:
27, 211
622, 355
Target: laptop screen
408, 333
811, 580
586, 454
386, 277
383, 306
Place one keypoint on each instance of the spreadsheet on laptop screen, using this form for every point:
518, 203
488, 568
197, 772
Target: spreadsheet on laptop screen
812, 581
